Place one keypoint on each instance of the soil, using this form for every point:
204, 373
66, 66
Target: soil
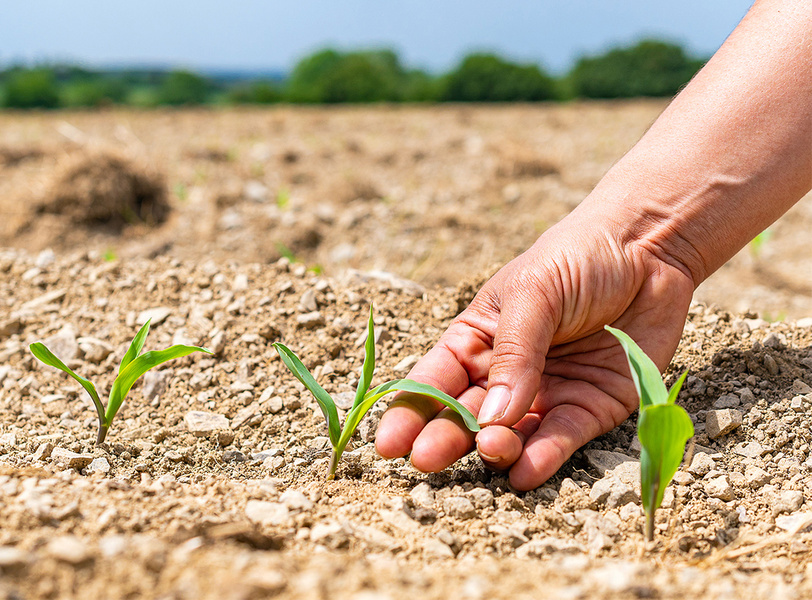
408, 208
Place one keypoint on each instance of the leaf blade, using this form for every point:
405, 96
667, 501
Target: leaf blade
136, 368
324, 400
44, 355
135, 346
674, 391
663, 430
646, 376
369, 363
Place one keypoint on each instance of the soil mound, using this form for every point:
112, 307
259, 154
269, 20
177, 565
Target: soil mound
103, 188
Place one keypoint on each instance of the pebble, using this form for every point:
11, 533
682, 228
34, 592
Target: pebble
801, 387
308, 301
344, 400
203, 424
11, 557
155, 383
795, 523
797, 404
701, 464
749, 449
43, 451
69, 549
330, 533
98, 465
155, 316
727, 401
719, 487
722, 422
70, 459
539, 547
310, 320
756, 477
266, 513
459, 507
234, 456
8, 440
435, 548
95, 350
423, 495
481, 498
247, 415
405, 365
296, 500
787, 501
612, 492
64, 344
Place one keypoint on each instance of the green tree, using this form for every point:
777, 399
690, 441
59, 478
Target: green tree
650, 68
256, 92
329, 76
31, 88
183, 87
489, 78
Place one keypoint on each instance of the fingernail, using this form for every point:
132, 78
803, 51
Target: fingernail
491, 459
495, 404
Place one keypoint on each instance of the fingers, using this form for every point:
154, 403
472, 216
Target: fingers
499, 447
525, 330
563, 430
461, 355
445, 439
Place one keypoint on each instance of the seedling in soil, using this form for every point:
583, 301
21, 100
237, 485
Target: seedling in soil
662, 427
364, 397
133, 365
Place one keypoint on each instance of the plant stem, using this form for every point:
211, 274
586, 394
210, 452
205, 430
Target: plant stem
102, 433
650, 526
331, 474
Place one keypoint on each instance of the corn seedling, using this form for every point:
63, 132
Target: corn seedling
364, 397
133, 365
662, 427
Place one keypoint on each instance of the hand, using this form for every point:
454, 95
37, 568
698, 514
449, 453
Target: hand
533, 339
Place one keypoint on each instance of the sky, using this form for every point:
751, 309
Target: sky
268, 35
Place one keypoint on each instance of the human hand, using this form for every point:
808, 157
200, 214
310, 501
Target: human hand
533, 339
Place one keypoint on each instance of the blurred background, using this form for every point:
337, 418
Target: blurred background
434, 140
92, 53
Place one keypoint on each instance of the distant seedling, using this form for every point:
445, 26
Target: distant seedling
662, 427
133, 365
364, 397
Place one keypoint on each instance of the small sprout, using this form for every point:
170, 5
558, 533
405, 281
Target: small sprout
133, 365
364, 397
662, 427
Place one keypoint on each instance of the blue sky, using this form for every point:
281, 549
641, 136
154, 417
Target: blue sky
272, 35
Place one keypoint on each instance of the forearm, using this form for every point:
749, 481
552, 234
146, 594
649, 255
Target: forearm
730, 154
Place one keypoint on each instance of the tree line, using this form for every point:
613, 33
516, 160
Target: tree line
649, 68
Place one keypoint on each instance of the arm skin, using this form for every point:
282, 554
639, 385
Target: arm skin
730, 155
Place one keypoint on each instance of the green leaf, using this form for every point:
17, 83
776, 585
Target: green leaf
663, 430
135, 346
369, 363
646, 375
401, 385
328, 407
41, 352
137, 367
674, 391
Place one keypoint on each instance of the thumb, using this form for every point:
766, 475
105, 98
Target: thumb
524, 332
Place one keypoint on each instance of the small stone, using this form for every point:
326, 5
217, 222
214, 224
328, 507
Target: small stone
719, 487
344, 400
435, 548
245, 415
481, 498
330, 534
630, 511
296, 500
43, 451
155, 316
612, 492
773, 341
11, 557
406, 364
98, 465
218, 343
308, 301
727, 401
604, 460
722, 422
155, 383
794, 523
69, 549
756, 477
801, 387
266, 583
683, 478
771, 365
64, 344
749, 449
787, 501
234, 456
459, 507
311, 320
701, 465
572, 497
797, 404
70, 459
8, 440
423, 495
203, 424
266, 513
95, 350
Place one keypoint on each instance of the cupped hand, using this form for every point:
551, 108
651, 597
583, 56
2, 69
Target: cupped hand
530, 356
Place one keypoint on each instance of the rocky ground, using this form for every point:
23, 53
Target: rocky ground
211, 481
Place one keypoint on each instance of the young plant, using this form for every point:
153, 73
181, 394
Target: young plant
133, 365
364, 397
662, 427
